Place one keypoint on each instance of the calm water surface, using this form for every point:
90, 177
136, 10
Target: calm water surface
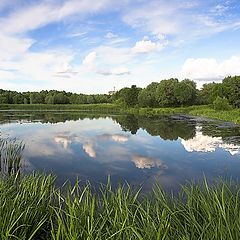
139, 150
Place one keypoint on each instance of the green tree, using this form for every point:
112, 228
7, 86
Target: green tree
60, 98
210, 92
185, 92
221, 104
18, 98
130, 95
165, 93
231, 86
147, 97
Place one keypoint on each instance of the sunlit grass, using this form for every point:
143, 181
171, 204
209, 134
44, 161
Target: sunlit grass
10, 155
31, 207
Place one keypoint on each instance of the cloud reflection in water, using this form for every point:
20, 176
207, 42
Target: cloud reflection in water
205, 143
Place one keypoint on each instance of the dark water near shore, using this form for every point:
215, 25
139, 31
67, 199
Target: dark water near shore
139, 150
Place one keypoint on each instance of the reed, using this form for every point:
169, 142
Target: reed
31, 207
10, 155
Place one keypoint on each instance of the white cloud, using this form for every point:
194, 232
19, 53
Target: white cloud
119, 71
183, 20
6, 75
38, 15
12, 47
144, 46
37, 66
209, 69
115, 56
89, 59
111, 35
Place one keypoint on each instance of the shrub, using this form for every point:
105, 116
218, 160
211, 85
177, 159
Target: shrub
221, 104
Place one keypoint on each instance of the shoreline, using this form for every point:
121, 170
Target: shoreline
196, 110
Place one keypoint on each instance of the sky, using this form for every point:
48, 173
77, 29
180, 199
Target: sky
92, 46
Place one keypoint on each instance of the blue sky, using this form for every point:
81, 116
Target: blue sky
91, 46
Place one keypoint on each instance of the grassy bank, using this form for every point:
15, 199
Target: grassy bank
32, 207
203, 110
61, 107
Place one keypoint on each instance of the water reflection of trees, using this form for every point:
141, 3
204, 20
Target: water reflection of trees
164, 127
47, 117
128, 123
228, 132
168, 129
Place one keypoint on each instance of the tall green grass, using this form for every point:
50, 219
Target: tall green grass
31, 207
10, 155
25, 207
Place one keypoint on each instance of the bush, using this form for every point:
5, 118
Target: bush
221, 104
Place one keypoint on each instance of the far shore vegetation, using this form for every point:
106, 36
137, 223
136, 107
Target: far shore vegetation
213, 100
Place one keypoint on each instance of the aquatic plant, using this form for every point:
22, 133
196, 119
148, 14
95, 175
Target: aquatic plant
10, 155
31, 207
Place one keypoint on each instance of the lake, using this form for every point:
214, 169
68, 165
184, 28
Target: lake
140, 150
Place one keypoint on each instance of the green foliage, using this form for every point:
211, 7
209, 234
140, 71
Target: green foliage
32, 208
165, 93
129, 95
221, 104
10, 156
147, 97
185, 92
25, 207
232, 90
210, 92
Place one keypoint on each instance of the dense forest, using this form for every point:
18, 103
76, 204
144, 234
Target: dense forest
166, 93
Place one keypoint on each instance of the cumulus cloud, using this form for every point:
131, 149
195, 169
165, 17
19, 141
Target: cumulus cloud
204, 143
89, 59
147, 163
209, 69
146, 46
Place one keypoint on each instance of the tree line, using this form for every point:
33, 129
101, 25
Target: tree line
51, 97
166, 93
175, 93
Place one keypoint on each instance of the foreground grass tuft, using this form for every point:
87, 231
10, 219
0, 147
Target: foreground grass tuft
31, 207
